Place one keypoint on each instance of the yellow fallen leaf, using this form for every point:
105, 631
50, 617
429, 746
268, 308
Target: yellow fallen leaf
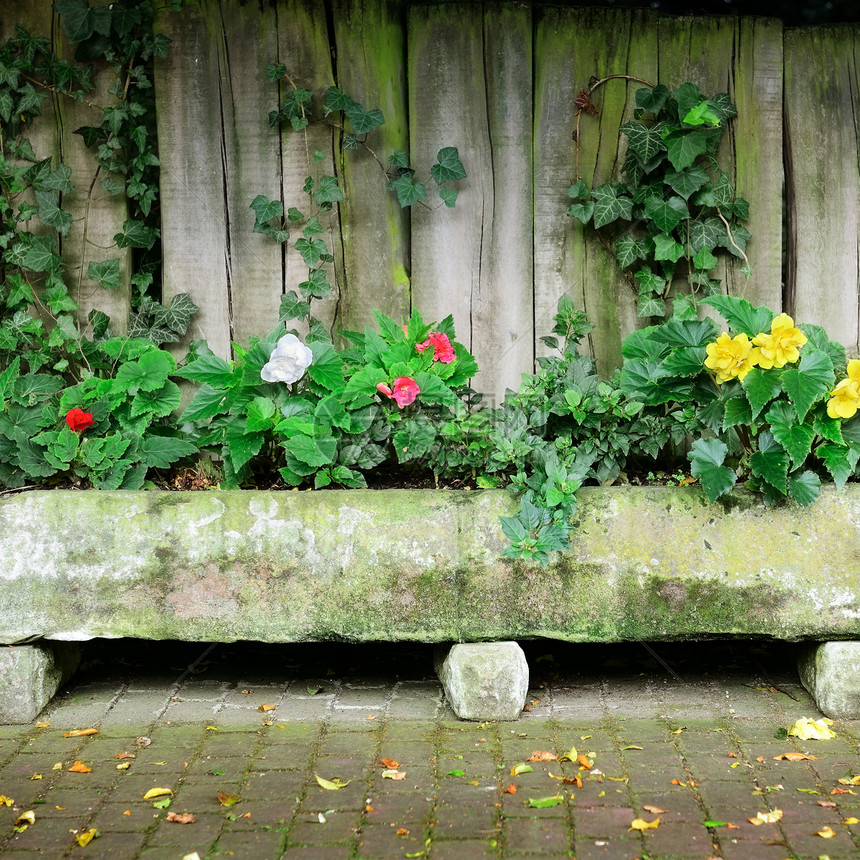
6, 801
584, 737
826, 833
127, 812
43, 724
567, 780
263, 708
585, 763
522, 767
36, 776
838, 790
393, 774
808, 729
61, 808
794, 756
571, 756
853, 780
851, 820
123, 765
542, 755
58, 766
678, 731
86, 837
227, 800
194, 856
766, 817
632, 747
332, 785
641, 824
211, 728
79, 767
156, 792
655, 810
26, 818
80, 733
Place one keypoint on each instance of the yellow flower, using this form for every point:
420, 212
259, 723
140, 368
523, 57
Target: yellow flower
845, 398
780, 347
730, 357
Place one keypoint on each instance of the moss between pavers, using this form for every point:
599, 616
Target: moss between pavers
644, 563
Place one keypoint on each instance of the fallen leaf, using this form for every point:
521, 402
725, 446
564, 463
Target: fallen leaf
80, 733
263, 708
838, 790
794, 756
123, 755
6, 801
144, 741
458, 773
710, 823
733, 826
760, 759
193, 856
585, 763
567, 780
641, 824
522, 767
808, 791
43, 724
321, 818
211, 728
571, 756
180, 817
61, 808
229, 800
511, 789
766, 817
808, 729
26, 818
57, 766
827, 804
125, 765
247, 692
733, 755
127, 812
632, 747
826, 833
389, 763
678, 731
546, 802
84, 839
393, 774
584, 737
402, 831
851, 820
156, 792
312, 691
79, 767
332, 785
36, 776
370, 717
542, 755
655, 810
854, 780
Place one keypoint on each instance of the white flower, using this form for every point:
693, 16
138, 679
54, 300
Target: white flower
288, 362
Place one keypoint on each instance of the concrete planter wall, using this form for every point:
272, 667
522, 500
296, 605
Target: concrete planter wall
644, 563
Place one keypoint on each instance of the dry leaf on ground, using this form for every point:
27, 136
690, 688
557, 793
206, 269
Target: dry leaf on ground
402, 831
157, 792
766, 817
808, 729
227, 800
26, 818
654, 810
180, 817
641, 824
794, 756
84, 839
585, 763
393, 773
263, 708
80, 733
79, 767
331, 785
568, 780
389, 763
511, 789
826, 833
542, 755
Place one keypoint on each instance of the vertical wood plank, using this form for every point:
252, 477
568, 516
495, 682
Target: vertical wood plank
304, 48
191, 149
371, 68
470, 87
823, 178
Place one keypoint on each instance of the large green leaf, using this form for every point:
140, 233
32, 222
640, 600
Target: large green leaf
835, 458
408, 190
804, 487
770, 462
148, 373
686, 361
211, 370
684, 147
327, 367
206, 404
666, 214
51, 213
706, 235
809, 381
666, 247
609, 206
741, 315
761, 386
652, 100
161, 451
645, 141
685, 332
642, 343
315, 451
687, 181
415, 439
795, 437
737, 412
628, 250
706, 458
645, 380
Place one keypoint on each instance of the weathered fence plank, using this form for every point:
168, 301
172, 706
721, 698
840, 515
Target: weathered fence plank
823, 178
195, 250
371, 63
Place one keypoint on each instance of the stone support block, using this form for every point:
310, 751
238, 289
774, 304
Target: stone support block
29, 677
830, 671
484, 681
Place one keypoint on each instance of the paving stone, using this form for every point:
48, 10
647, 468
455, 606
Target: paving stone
536, 836
382, 841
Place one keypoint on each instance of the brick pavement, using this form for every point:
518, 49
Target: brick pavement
701, 749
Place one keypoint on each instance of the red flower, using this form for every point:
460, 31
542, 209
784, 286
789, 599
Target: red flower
442, 349
404, 392
78, 420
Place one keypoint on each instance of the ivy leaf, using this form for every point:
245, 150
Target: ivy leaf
687, 181
804, 487
741, 315
408, 191
448, 167
136, 234
706, 234
265, 210
582, 211
578, 191
650, 305
808, 381
317, 286
51, 213
608, 206
652, 100
628, 250
335, 99
666, 214
770, 462
363, 121
706, 458
794, 437
666, 248
645, 141
684, 147
311, 251
106, 272
687, 96
449, 196
327, 191
704, 260
702, 114
399, 159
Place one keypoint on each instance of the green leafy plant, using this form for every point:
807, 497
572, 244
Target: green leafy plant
676, 210
319, 416
767, 398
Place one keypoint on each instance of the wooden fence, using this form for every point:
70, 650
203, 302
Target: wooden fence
497, 80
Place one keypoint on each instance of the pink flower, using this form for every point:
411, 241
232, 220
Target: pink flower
78, 420
404, 392
442, 349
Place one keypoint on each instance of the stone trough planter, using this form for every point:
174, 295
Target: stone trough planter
411, 565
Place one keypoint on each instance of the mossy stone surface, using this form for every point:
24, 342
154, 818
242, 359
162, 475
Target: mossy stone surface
415, 565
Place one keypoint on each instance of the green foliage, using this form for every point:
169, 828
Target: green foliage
676, 210
342, 416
